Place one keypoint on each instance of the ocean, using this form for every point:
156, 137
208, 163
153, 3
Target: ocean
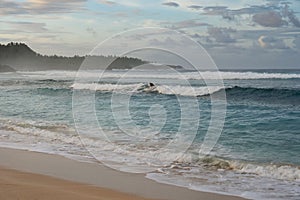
161, 131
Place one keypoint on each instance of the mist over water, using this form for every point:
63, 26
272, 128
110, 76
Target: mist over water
258, 150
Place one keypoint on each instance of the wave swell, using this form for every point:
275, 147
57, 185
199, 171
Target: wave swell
274, 95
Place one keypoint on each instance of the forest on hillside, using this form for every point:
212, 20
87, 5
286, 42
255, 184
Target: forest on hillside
20, 57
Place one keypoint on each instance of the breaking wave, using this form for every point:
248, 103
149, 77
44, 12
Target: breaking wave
168, 75
160, 89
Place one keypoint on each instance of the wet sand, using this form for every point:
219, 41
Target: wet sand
45, 176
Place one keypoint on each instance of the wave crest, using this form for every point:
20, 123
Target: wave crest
161, 89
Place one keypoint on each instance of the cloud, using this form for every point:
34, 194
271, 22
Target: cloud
56, 6
214, 10
221, 35
221, 11
30, 26
91, 31
296, 43
25, 27
294, 20
231, 58
192, 23
248, 10
168, 41
106, 2
171, 3
274, 14
56, 1
196, 36
33, 7
195, 7
269, 19
286, 12
269, 42
10, 7
271, 11
274, 2
261, 41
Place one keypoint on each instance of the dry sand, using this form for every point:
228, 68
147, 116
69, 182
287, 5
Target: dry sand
27, 186
63, 178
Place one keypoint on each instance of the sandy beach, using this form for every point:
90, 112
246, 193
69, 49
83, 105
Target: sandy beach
28, 186
31, 175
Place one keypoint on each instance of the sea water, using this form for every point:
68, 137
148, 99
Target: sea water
127, 127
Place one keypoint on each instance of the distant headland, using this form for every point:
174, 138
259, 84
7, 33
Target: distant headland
20, 57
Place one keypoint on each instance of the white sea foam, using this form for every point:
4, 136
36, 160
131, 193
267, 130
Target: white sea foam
284, 172
225, 176
106, 87
162, 89
167, 74
239, 178
187, 91
46, 133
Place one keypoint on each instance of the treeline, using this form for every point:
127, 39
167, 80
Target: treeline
22, 58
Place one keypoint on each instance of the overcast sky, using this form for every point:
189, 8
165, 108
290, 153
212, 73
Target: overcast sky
237, 34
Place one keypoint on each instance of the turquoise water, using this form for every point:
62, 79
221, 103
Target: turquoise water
257, 152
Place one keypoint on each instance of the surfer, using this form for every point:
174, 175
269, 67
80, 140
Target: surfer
151, 84
149, 87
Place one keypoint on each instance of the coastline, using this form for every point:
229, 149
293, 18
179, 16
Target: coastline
96, 178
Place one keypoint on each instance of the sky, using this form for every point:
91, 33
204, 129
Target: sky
237, 34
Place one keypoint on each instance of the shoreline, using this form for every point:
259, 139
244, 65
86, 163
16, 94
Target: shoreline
97, 176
